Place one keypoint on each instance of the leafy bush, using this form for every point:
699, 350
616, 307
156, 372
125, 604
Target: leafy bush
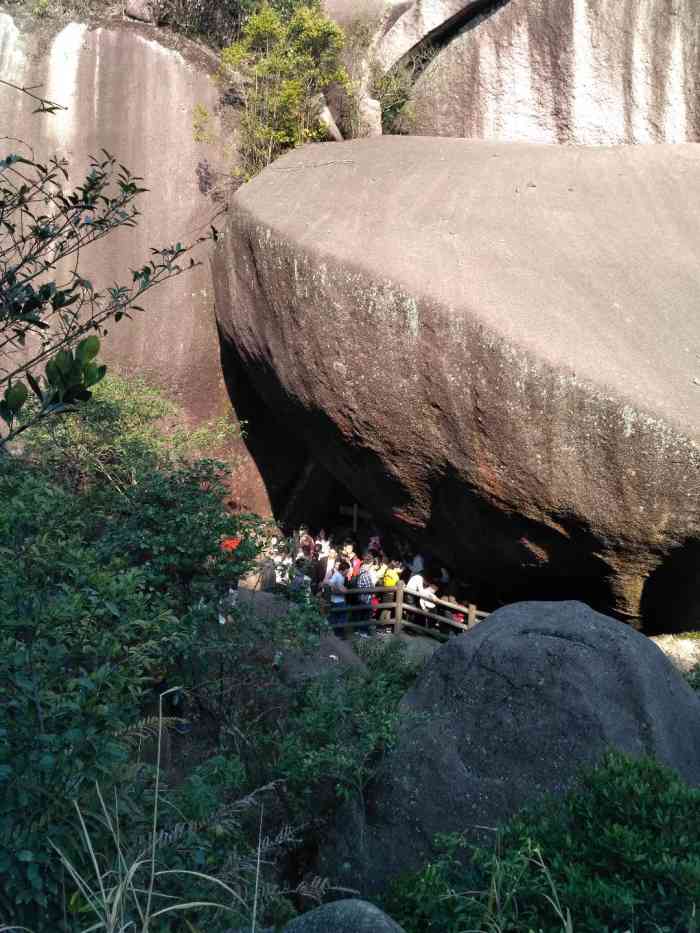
76, 640
338, 727
279, 68
111, 584
619, 852
104, 593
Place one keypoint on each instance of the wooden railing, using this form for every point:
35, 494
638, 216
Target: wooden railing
402, 613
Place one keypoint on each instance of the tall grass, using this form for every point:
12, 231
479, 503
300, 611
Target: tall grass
122, 894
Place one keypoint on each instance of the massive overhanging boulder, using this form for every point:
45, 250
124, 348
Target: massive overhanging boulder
590, 72
494, 347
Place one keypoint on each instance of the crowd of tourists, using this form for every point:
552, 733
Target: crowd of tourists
343, 577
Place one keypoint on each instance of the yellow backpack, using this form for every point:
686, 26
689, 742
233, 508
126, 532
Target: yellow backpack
391, 577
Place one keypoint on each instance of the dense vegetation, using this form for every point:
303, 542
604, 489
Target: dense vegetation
278, 70
620, 852
111, 584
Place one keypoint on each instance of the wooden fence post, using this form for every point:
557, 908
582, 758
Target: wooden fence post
471, 616
398, 618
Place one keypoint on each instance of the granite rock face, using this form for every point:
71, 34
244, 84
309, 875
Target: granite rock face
587, 72
501, 716
350, 915
493, 347
346, 916
133, 90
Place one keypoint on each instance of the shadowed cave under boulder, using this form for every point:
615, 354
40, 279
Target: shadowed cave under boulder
470, 386
300, 488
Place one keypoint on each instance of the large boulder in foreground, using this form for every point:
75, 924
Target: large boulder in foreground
494, 347
502, 715
346, 916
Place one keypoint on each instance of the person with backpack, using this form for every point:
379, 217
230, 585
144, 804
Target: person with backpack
365, 582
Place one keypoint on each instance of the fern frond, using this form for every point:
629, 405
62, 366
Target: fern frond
316, 888
287, 836
225, 817
146, 729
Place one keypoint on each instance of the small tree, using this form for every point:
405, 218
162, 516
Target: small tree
281, 68
51, 315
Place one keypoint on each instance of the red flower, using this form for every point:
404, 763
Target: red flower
230, 544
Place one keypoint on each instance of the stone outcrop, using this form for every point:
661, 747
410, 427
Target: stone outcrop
494, 347
590, 72
347, 916
130, 93
141, 10
501, 716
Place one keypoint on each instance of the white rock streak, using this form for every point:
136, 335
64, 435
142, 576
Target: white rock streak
12, 58
524, 108
676, 110
642, 126
599, 112
96, 89
62, 84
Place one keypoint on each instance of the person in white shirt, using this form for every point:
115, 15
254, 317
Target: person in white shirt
323, 544
420, 588
338, 593
330, 559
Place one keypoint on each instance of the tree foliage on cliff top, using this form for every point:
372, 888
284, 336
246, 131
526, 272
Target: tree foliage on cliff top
279, 69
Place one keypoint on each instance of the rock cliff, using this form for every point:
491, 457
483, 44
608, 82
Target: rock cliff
494, 347
130, 93
555, 71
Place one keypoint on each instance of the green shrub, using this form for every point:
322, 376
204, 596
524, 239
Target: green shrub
338, 727
77, 639
111, 581
126, 431
280, 66
619, 852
